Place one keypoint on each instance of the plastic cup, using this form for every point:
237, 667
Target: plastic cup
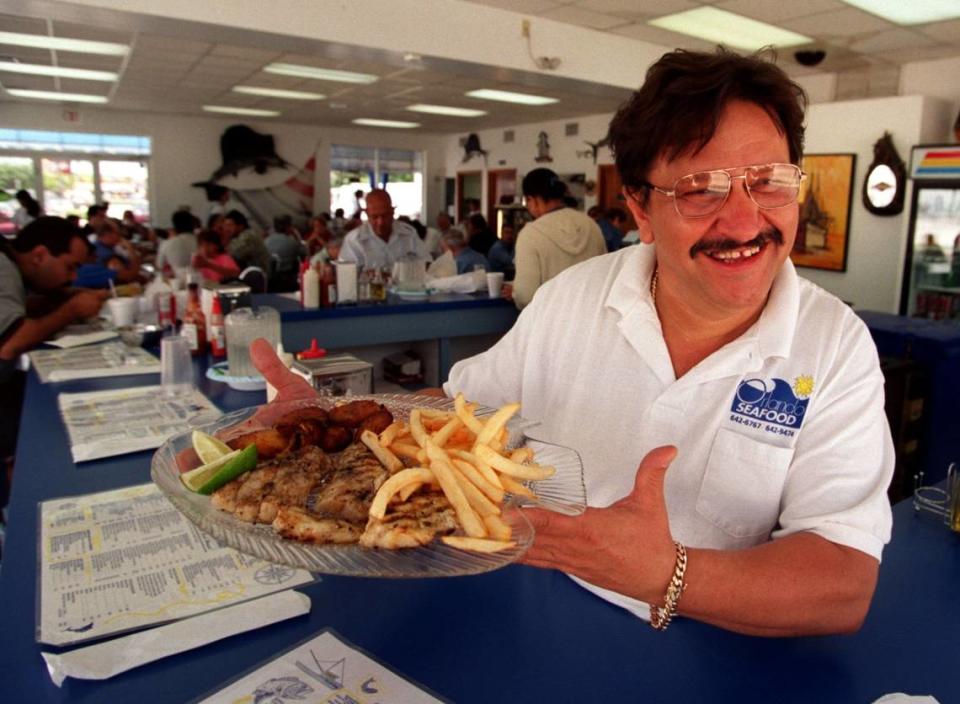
494, 284
176, 368
123, 311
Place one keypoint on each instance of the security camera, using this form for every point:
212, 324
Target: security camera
809, 58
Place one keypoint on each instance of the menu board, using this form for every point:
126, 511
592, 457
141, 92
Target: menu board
323, 670
115, 422
94, 361
125, 559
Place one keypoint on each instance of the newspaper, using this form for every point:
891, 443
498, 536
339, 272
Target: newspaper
94, 361
118, 421
125, 559
325, 670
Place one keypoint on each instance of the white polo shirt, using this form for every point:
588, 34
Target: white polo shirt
780, 431
364, 247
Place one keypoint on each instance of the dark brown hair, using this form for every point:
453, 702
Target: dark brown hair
680, 103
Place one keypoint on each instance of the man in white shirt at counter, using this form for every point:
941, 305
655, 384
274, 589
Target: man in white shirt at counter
751, 399
381, 241
754, 398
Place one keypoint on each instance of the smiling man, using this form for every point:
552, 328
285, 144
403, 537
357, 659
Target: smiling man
751, 399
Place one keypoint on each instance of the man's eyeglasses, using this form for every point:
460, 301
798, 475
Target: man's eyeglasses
704, 193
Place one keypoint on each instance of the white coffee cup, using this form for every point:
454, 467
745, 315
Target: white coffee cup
494, 284
123, 311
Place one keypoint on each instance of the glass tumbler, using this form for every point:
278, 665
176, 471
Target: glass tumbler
243, 326
176, 368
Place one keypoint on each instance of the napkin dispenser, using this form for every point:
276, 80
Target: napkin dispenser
232, 296
336, 375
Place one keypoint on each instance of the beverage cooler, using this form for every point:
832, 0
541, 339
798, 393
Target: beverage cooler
931, 282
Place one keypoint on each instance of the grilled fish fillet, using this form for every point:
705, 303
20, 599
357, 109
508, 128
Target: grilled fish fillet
412, 523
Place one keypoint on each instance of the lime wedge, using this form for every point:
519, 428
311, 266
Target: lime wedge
210, 477
208, 448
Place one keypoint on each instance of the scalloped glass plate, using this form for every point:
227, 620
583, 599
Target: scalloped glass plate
564, 493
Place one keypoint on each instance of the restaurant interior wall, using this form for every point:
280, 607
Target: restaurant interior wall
876, 246
186, 149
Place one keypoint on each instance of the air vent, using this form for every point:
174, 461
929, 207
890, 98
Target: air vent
571, 129
507, 136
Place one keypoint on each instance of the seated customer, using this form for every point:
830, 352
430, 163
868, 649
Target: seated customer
113, 251
467, 259
90, 274
502, 251
175, 251
479, 235
330, 253
41, 260
287, 250
243, 244
214, 264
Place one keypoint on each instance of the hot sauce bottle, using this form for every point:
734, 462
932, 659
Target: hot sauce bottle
218, 343
194, 323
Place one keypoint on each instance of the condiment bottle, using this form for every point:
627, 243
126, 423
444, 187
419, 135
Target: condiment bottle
194, 323
310, 288
328, 286
314, 352
218, 343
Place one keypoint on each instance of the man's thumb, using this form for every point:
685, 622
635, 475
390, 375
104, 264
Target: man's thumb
648, 485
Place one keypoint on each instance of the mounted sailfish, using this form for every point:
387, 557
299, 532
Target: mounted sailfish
261, 180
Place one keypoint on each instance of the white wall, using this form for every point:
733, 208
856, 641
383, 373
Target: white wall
187, 149
876, 245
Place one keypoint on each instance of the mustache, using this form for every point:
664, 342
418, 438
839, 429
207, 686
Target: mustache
723, 244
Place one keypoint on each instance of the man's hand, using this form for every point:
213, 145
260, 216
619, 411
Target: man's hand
289, 386
625, 547
86, 303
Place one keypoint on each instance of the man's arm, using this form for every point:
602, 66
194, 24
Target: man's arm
33, 331
800, 584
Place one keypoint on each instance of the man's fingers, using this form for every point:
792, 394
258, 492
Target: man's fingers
287, 384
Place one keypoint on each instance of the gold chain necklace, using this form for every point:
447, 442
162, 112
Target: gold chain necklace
653, 286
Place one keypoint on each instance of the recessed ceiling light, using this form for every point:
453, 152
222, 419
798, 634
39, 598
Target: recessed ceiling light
252, 112
320, 74
277, 93
507, 96
41, 70
446, 110
727, 28
398, 124
53, 95
82, 46
912, 12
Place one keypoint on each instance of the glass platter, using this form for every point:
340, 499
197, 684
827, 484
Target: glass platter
564, 493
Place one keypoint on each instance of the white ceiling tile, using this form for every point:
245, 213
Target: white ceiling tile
774, 11
944, 31
905, 56
582, 18
635, 9
527, 7
172, 44
666, 39
838, 23
12, 80
27, 55
96, 33
25, 25
262, 56
890, 40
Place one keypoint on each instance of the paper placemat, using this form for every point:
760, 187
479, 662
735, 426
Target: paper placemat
324, 668
121, 560
115, 422
92, 362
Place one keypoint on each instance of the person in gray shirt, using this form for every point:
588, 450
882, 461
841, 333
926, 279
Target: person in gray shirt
287, 251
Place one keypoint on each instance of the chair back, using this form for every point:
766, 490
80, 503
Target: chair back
255, 278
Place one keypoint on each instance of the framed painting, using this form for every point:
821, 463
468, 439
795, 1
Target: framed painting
823, 229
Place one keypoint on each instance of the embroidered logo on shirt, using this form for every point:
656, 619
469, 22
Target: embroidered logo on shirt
774, 406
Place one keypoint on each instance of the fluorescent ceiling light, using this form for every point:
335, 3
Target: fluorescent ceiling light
252, 112
724, 27
53, 95
509, 97
41, 70
446, 110
83, 46
910, 12
370, 122
320, 74
277, 93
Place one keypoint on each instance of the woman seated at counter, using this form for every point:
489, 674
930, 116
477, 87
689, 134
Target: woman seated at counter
214, 263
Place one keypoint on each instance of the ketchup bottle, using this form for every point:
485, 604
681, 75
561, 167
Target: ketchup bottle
218, 345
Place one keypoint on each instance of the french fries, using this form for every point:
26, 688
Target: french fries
464, 457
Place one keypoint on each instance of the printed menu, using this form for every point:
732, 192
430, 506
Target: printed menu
125, 559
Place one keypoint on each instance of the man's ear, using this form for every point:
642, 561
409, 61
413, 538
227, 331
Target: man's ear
640, 216
39, 255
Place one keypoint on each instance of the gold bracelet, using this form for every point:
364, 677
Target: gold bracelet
660, 616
